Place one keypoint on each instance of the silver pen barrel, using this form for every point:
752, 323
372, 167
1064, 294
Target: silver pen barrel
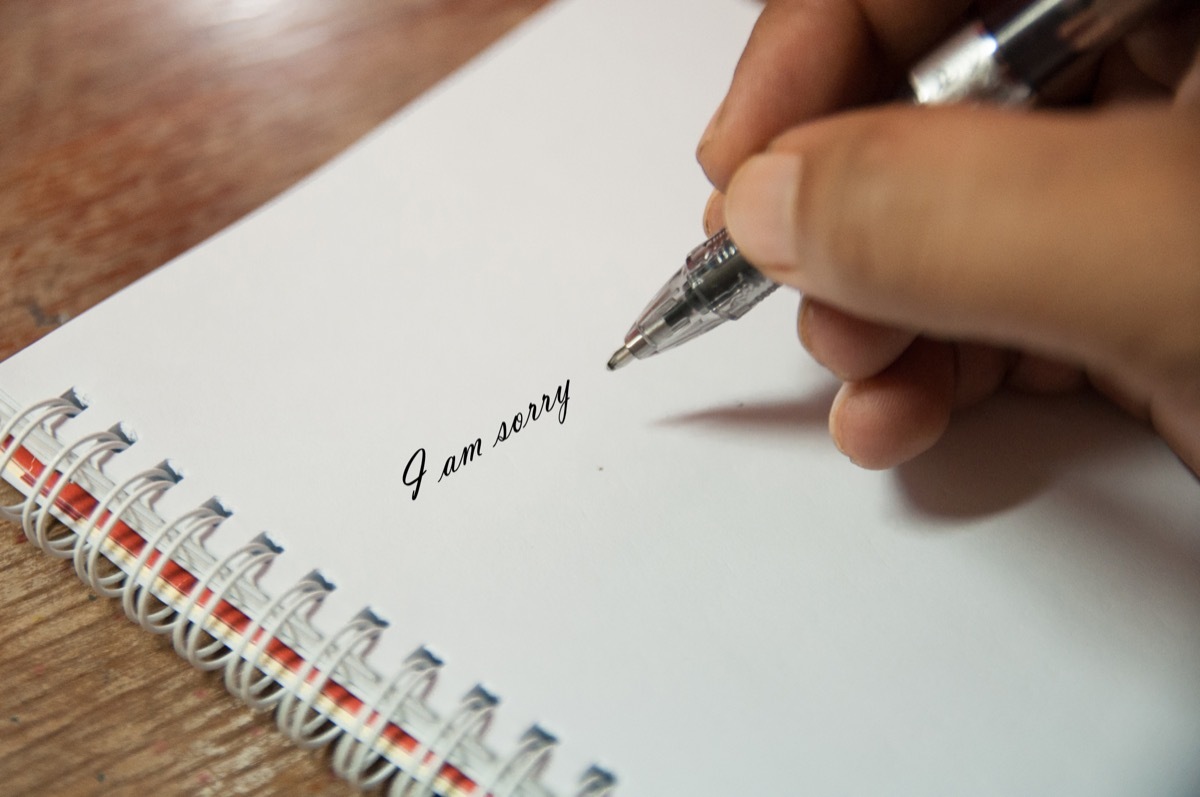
1015, 49
1039, 40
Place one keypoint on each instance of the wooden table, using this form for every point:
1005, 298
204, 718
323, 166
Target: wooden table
129, 132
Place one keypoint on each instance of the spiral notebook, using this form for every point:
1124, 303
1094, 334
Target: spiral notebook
360, 453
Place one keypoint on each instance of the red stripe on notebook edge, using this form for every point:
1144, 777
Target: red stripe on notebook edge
76, 503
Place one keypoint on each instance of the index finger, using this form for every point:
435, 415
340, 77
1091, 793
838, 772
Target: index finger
807, 58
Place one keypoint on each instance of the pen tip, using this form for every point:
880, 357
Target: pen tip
620, 358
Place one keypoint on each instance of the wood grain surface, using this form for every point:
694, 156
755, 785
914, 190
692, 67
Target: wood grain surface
130, 130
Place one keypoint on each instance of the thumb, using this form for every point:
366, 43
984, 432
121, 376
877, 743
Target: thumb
1073, 234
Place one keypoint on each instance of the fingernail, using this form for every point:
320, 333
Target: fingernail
760, 210
805, 324
835, 418
709, 130
714, 213
837, 422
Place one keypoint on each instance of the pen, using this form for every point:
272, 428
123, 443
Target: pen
1005, 57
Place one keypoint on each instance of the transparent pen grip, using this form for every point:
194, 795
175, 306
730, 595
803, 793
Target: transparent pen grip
722, 280
715, 284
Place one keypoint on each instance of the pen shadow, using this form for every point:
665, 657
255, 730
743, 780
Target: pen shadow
773, 417
1006, 452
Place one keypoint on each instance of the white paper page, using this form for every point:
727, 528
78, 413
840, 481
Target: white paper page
683, 579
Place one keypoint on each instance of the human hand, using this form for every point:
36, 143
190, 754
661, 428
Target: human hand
947, 252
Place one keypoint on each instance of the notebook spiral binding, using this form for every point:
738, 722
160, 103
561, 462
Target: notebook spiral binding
217, 618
